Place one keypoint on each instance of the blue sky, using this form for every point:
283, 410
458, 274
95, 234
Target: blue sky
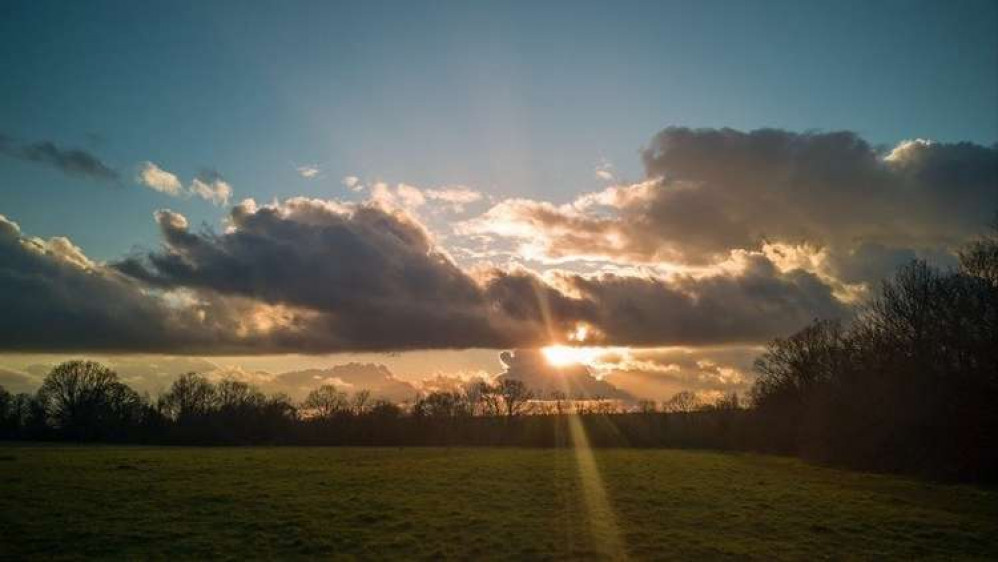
513, 99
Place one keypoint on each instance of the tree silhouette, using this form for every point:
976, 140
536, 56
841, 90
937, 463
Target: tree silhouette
683, 402
190, 397
515, 396
85, 400
325, 402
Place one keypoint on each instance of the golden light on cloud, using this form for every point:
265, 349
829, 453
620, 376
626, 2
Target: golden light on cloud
566, 355
580, 333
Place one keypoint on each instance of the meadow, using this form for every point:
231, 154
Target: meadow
473, 503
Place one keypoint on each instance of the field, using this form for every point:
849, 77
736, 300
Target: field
335, 503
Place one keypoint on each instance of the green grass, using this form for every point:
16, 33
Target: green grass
333, 503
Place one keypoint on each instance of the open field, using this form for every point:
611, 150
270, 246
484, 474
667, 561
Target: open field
138, 502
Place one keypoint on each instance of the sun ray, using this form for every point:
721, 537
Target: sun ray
602, 519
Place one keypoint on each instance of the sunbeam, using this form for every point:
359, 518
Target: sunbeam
602, 519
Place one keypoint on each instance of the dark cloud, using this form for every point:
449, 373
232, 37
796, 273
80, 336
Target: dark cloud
709, 192
312, 276
373, 277
749, 306
825, 188
752, 304
71, 161
311, 254
55, 299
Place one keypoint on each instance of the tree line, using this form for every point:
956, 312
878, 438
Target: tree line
85, 401
909, 384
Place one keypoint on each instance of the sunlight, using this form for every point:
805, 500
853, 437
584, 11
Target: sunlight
566, 355
602, 519
606, 531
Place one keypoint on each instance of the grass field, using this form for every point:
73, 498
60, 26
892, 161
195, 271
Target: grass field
332, 503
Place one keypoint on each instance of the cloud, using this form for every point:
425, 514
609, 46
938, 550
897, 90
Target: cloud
70, 161
605, 171
309, 171
409, 197
752, 303
372, 277
659, 373
732, 239
159, 179
454, 198
311, 276
350, 377
53, 297
709, 192
353, 183
210, 186
56, 299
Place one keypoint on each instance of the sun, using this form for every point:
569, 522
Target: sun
566, 355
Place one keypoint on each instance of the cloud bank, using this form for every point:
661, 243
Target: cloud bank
709, 192
731, 239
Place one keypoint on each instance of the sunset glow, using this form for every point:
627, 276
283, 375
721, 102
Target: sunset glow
566, 355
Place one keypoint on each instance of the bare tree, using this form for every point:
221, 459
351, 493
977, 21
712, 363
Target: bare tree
683, 402
490, 398
647, 406
325, 402
560, 402
385, 409
441, 404
237, 395
515, 396
980, 257
85, 400
190, 396
360, 402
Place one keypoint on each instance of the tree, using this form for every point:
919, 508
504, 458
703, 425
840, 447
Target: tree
237, 396
360, 402
791, 366
515, 396
84, 400
325, 402
490, 398
647, 406
190, 397
683, 402
8, 423
385, 409
728, 402
980, 258
560, 401
441, 404
28, 417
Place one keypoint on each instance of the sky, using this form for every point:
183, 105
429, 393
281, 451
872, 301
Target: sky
434, 183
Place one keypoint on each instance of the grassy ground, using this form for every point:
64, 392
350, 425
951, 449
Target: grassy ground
138, 503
